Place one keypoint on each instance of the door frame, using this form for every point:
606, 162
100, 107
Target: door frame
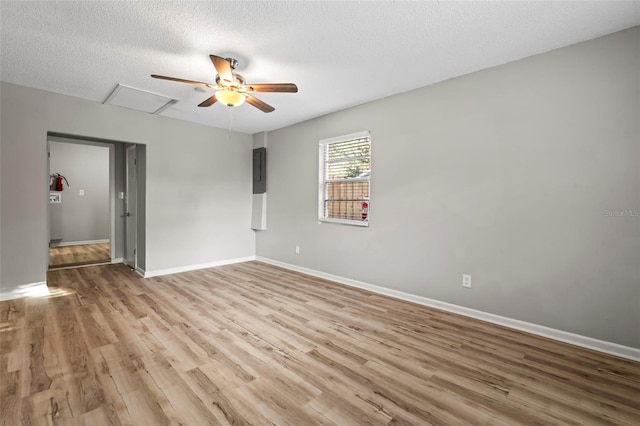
128, 219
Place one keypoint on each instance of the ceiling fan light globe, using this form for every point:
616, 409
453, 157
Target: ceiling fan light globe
230, 97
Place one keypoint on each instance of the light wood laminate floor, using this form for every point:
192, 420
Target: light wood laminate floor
252, 344
82, 254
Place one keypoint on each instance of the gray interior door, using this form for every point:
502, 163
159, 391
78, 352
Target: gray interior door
131, 214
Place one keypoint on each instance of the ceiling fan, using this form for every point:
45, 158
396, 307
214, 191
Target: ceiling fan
231, 88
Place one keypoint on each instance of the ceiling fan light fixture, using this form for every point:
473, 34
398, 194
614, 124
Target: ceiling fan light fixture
230, 97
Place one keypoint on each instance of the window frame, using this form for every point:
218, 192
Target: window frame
322, 143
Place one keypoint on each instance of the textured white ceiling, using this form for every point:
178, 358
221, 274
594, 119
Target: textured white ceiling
339, 54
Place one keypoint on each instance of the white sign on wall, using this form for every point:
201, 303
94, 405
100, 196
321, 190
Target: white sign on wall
55, 197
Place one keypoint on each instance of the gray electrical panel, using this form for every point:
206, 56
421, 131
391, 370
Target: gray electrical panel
259, 170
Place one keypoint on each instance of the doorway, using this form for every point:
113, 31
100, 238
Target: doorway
124, 239
81, 175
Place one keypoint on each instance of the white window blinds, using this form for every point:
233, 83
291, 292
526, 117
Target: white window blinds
345, 173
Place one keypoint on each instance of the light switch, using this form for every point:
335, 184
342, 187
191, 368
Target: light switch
81, 192
121, 195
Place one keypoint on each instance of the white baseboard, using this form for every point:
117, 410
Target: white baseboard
563, 336
27, 290
158, 272
80, 243
138, 270
117, 260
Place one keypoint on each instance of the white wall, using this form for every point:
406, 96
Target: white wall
505, 174
80, 217
198, 201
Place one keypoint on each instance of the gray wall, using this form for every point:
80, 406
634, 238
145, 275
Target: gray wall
506, 174
80, 217
198, 200
0, 193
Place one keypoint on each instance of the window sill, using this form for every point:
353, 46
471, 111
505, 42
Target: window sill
364, 223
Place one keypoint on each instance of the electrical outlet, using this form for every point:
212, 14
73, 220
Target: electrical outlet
81, 192
466, 280
297, 249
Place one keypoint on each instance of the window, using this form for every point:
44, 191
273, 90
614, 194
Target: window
345, 173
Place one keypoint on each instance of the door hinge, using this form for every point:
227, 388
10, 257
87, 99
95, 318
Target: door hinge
48, 154
135, 162
134, 251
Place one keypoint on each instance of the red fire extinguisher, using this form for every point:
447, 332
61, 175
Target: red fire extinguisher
57, 184
365, 210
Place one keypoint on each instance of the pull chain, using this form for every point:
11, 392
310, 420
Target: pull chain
230, 122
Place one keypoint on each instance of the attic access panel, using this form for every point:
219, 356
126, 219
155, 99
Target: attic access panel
138, 99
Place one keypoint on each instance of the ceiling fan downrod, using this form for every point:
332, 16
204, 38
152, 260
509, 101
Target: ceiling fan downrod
232, 62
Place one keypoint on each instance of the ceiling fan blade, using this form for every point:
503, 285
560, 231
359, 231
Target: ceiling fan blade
209, 101
262, 106
180, 80
275, 87
223, 67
